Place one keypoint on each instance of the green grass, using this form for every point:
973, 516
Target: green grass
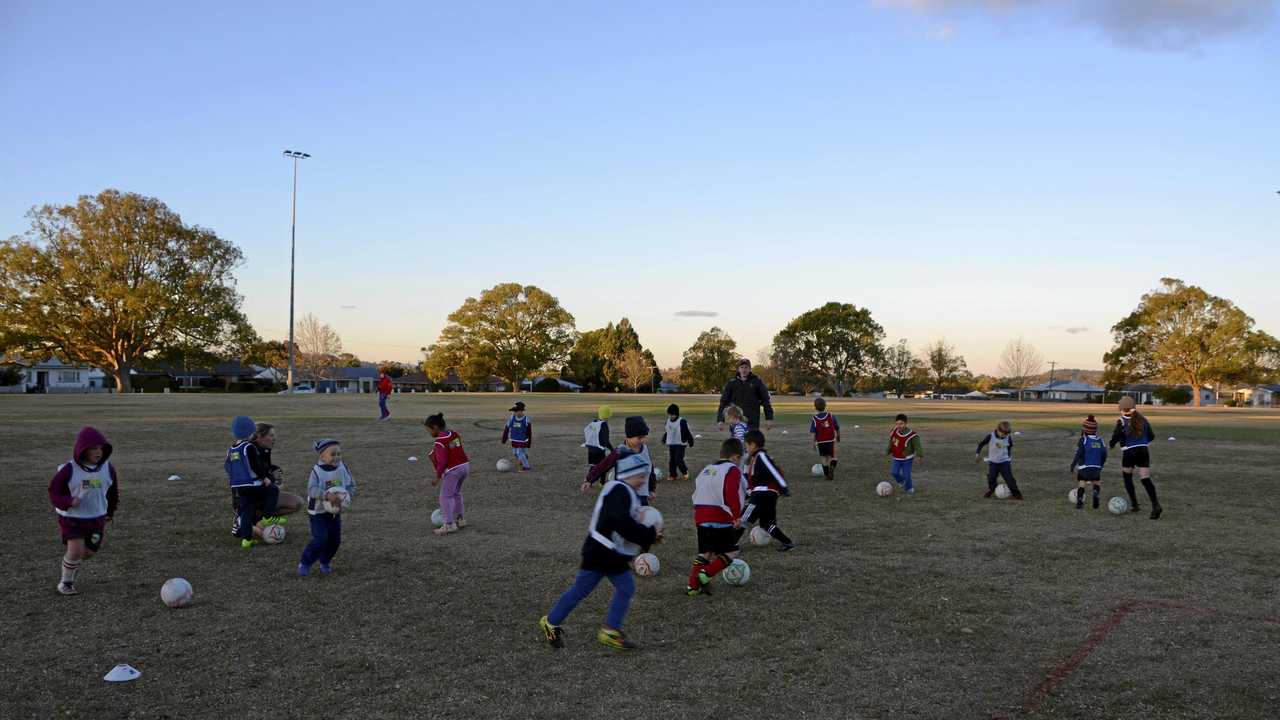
940, 606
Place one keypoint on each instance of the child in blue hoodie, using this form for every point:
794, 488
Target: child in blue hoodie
1091, 455
85, 493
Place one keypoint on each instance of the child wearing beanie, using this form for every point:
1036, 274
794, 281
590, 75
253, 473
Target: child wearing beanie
595, 436
255, 492
628, 459
676, 436
1091, 455
329, 492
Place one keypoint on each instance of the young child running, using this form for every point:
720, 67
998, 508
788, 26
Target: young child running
329, 478
614, 538
676, 437
519, 430
1087, 463
999, 445
1133, 433
904, 449
254, 495
452, 468
633, 453
767, 483
85, 493
595, 436
717, 511
826, 435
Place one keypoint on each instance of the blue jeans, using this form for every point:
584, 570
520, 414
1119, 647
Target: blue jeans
326, 536
522, 454
382, 404
624, 588
901, 471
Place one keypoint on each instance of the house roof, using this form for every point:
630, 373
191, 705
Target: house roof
230, 368
356, 373
1066, 386
1141, 387
411, 379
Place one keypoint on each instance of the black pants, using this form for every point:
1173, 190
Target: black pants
1005, 470
255, 501
676, 464
764, 509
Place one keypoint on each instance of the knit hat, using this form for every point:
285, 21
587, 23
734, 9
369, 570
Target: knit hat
1090, 426
604, 412
636, 427
243, 427
1127, 403
322, 444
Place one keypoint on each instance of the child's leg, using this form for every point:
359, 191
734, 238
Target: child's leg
673, 466
382, 404
895, 469
248, 512
458, 509
1127, 473
522, 454
1147, 484
624, 588
1097, 493
1081, 482
581, 588
319, 533
906, 475
768, 519
448, 491
993, 472
1006, 471
684, 468
75, 553
333, 540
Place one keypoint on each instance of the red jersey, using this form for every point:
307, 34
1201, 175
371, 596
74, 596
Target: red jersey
717, 494
825, 428
384, 386
901, 444
447, 452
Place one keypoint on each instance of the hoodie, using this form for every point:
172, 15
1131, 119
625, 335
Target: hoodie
96, 486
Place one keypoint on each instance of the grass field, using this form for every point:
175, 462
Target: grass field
944, 605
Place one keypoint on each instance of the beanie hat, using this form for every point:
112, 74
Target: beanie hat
636, 427
243, 427
604, 412
1090, 426
322, 444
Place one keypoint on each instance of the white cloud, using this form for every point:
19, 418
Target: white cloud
696, 313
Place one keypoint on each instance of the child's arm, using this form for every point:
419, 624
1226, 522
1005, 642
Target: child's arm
439, 458
617, 510
1151, 433
348, 480
60, 489
686, 435
1117, 435
1079, 456
315, 491
506, 432
597, 471
986, 439
113, 493
813, 430
1103, 461
836, 422
765, 463
917, 448
732, 493
528, 428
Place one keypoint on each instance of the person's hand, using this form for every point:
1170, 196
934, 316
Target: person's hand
75, 502
977, 458
737, 523
435, 482
720, 426
584, 487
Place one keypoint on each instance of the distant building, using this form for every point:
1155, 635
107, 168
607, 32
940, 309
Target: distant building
349, 380
1145, 393
1065, 391
667, 387
1258, 396
55, 376
565, 386
411, 382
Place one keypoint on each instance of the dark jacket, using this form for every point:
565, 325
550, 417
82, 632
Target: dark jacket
615, 516
749, 395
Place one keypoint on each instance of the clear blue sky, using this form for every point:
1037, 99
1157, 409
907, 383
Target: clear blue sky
965, 172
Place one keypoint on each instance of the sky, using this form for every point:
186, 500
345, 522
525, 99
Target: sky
972, 170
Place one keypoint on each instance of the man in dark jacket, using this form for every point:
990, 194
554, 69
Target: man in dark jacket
747, 392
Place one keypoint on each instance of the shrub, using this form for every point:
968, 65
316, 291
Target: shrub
547, 385
1172, 395
10, 375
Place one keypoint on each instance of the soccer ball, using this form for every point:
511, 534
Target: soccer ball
1071, 496
1118, 505
650, 517
176, 593
646, 565
737, 573
342, 502
504, 465
759, 536
437, 517
884, 489
1002, 491
658, 473
816, 470
273, 534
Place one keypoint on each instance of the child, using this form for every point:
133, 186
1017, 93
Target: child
904, 448
614, 538
595, 436
328, 475
253, 492
677, 437
85, 493
737, 426
1134, 434
826, 433
1087, 463
264, 441
766, 483
519, 429
999, 445
452, 469
630, 457
717, 511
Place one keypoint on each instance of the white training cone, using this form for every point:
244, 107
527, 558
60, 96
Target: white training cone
1172, 438
413, 458
122, 673
784, 432
697, 437
175, 477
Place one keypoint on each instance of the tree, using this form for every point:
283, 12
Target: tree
635, 369
269, 354
348, 360
943, 363
709, 362
596, 358
318, 347
113, 279
831, 347
1173, 394
767, 370
899, 368
1180, 334
510, 331
1020, 362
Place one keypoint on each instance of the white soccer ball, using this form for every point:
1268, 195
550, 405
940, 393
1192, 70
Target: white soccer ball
1002, 491
504, 465
646, 565
341, 500
437, 517
176, 593
1118, 505
649, 516
759, 536
816, 470
413, 458
737, 573
660, 474
1071, 496
884, 489
273, 534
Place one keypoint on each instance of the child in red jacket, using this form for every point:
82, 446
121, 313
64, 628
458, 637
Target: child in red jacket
85, 493
452, 468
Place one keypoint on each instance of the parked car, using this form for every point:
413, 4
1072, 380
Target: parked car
302, 389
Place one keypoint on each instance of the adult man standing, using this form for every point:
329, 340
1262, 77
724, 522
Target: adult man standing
747, 392
384, 389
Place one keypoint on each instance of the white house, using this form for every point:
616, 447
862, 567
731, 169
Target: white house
1259, 396
1065, 391
55, 376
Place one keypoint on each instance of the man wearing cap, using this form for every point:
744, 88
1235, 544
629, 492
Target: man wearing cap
519, 430
629, 459
748, 392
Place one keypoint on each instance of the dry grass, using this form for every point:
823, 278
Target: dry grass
940, 606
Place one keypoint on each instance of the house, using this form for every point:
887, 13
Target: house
496, 384
275, 376
1258, 396
666, 387
55, 376
1003, 393
411, 382
1064, 391
565, 386
1145, 393
349, 380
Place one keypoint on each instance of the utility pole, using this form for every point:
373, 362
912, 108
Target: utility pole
293, 235
1052, 365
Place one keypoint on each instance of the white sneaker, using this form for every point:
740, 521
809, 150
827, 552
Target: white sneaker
450, 528
461, 523
67, 588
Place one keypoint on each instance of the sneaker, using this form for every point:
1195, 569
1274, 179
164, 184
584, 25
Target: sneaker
235, 527
246, 544
1134, 507
67, 588
1017, 496
1079, 504
553, 633
704, 586
446, 529
461, 523
303, 570
275, 520
614, 639
912, 491
1095, 502
325, 568
786, 546
1156, 511
988, 493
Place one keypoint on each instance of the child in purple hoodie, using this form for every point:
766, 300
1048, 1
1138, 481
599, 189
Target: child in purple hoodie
85, 493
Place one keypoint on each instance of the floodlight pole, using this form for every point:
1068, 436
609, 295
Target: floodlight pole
293, 236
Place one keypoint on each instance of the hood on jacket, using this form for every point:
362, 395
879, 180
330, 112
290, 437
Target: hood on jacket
87, 438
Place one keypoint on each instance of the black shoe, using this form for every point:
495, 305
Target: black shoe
1095, 502
1134, 508
1156, 511
786, 546
1079, 504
